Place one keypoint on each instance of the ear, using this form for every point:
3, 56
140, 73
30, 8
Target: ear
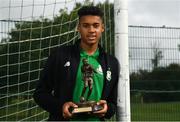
103, 28
78, 27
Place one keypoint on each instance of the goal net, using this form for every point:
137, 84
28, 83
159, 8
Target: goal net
30, 29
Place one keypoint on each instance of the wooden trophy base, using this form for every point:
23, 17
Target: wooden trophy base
87, 106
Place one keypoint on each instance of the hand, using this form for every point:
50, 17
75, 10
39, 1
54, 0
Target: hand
65, 110
102, 112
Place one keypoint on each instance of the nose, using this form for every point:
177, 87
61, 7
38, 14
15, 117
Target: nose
91, 29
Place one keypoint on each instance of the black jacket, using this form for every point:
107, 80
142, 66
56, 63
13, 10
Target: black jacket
57, 80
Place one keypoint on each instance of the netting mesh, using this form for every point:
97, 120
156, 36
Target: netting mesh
30, 30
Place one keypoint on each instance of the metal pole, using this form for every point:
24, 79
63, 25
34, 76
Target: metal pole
122, 53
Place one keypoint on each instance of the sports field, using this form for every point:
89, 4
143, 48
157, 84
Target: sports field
169, 111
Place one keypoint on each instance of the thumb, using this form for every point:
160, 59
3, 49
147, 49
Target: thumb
73, 104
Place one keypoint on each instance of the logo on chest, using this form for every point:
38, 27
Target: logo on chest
99, 70
108, 74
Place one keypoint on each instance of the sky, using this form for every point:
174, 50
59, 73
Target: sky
140, 12
154, 12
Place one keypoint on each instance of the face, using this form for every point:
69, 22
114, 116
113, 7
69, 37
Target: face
90, 28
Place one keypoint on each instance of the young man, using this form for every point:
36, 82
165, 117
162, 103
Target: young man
60, 85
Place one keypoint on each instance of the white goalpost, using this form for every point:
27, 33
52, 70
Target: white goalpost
122, 53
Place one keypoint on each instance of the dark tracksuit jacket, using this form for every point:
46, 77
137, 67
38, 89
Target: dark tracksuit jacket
57, 80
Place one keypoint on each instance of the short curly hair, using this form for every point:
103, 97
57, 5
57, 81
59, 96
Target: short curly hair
90, 10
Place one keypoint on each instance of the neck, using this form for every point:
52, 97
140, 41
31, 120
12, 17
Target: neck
90, 49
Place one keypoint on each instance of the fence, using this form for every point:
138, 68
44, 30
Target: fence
154, 66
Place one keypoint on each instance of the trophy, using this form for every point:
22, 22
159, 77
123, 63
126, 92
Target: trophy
85, 105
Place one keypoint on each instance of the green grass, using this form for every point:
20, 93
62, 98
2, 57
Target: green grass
21, 109
27, 115
155, 111
139, 112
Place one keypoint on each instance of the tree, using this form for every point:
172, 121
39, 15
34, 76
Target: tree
157, 55
159, 79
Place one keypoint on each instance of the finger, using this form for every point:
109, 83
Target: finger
104, 110
71, 104
66, 106
101, 115
105, 107
66, 113
102, 102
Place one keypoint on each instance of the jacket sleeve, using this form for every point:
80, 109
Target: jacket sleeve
43, 95
112, 99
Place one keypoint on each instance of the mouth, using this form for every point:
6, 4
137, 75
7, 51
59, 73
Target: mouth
91, 37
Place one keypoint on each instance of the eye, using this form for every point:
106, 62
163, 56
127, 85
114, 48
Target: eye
96, 25
85, 25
